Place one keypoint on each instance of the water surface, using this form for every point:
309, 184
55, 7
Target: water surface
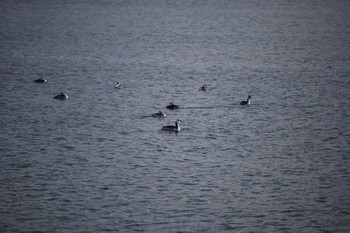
98, 162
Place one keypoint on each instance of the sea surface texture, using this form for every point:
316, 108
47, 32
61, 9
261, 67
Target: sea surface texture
98, 161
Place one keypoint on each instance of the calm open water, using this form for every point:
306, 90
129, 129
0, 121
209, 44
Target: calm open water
98, 162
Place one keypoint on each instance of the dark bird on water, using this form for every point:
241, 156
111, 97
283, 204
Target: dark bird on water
247, 102
61, 96
40, 80
175, 128
172, 106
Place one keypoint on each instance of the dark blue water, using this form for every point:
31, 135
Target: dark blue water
98, 162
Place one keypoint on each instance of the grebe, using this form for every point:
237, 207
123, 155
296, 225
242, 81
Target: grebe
119, 85
159, 114
40, 80
175, 128
246, 102
204, 87
61, 96
172, 106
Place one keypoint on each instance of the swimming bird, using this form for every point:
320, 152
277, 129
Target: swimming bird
119, 85
204, 87
61, 96
172, 106
159, 114
246, 102
175, 128
40, 80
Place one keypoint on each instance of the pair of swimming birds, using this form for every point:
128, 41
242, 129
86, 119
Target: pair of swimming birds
63, 96
60, 96
173, 106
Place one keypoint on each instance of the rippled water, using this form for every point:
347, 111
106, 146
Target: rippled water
98, 162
